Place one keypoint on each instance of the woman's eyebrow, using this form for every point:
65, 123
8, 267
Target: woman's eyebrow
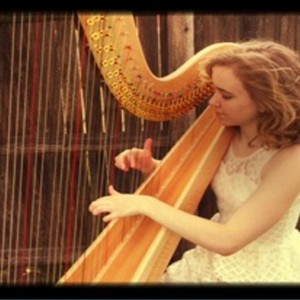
222, 90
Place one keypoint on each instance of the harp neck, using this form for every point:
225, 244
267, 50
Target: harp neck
117, 50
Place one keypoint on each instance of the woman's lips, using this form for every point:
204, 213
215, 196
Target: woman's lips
219, 114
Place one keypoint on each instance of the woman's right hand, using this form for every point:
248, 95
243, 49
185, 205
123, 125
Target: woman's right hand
136, 158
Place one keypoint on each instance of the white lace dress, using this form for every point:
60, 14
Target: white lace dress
273, 258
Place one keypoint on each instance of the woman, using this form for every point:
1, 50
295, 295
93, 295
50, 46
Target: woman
253, 236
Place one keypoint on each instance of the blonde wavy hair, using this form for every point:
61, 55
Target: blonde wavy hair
270, 73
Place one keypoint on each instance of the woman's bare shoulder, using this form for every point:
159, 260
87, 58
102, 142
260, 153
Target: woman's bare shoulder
291, 152
285, 160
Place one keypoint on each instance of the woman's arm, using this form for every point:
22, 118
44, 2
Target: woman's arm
279, 187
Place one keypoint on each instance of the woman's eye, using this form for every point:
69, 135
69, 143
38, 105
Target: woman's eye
226, 97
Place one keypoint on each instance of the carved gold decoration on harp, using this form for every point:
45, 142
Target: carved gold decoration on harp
136, 249
114, 41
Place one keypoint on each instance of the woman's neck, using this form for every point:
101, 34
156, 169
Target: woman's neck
246, 141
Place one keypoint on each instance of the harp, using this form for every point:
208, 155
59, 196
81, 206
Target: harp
184, 173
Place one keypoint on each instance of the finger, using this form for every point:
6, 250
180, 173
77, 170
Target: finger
121, 161
112, 191
92, 206
109, 217
148, 145
98, 206
133, 156
101, 206
94, 209
125, 164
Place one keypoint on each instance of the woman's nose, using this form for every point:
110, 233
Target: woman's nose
213, 101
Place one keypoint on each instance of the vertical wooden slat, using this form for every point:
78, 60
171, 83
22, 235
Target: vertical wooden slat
286, 29
266, 26
181, 48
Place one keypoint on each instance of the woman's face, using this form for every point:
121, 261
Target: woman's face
231, 101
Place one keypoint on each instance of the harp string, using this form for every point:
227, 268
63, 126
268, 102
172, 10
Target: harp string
127, 132
39, 108
64, 172
10, 226
118, 127
76, 123
39, 158
5, 204
84, 164
55, 185
68, 103
101, 156
54, 207
22, 166
31, 165
15, 148
70, 110
160, 73
14, 151
84, 161
76, 129
144, 125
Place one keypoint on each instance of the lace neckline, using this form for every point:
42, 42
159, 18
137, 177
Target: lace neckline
244, 157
